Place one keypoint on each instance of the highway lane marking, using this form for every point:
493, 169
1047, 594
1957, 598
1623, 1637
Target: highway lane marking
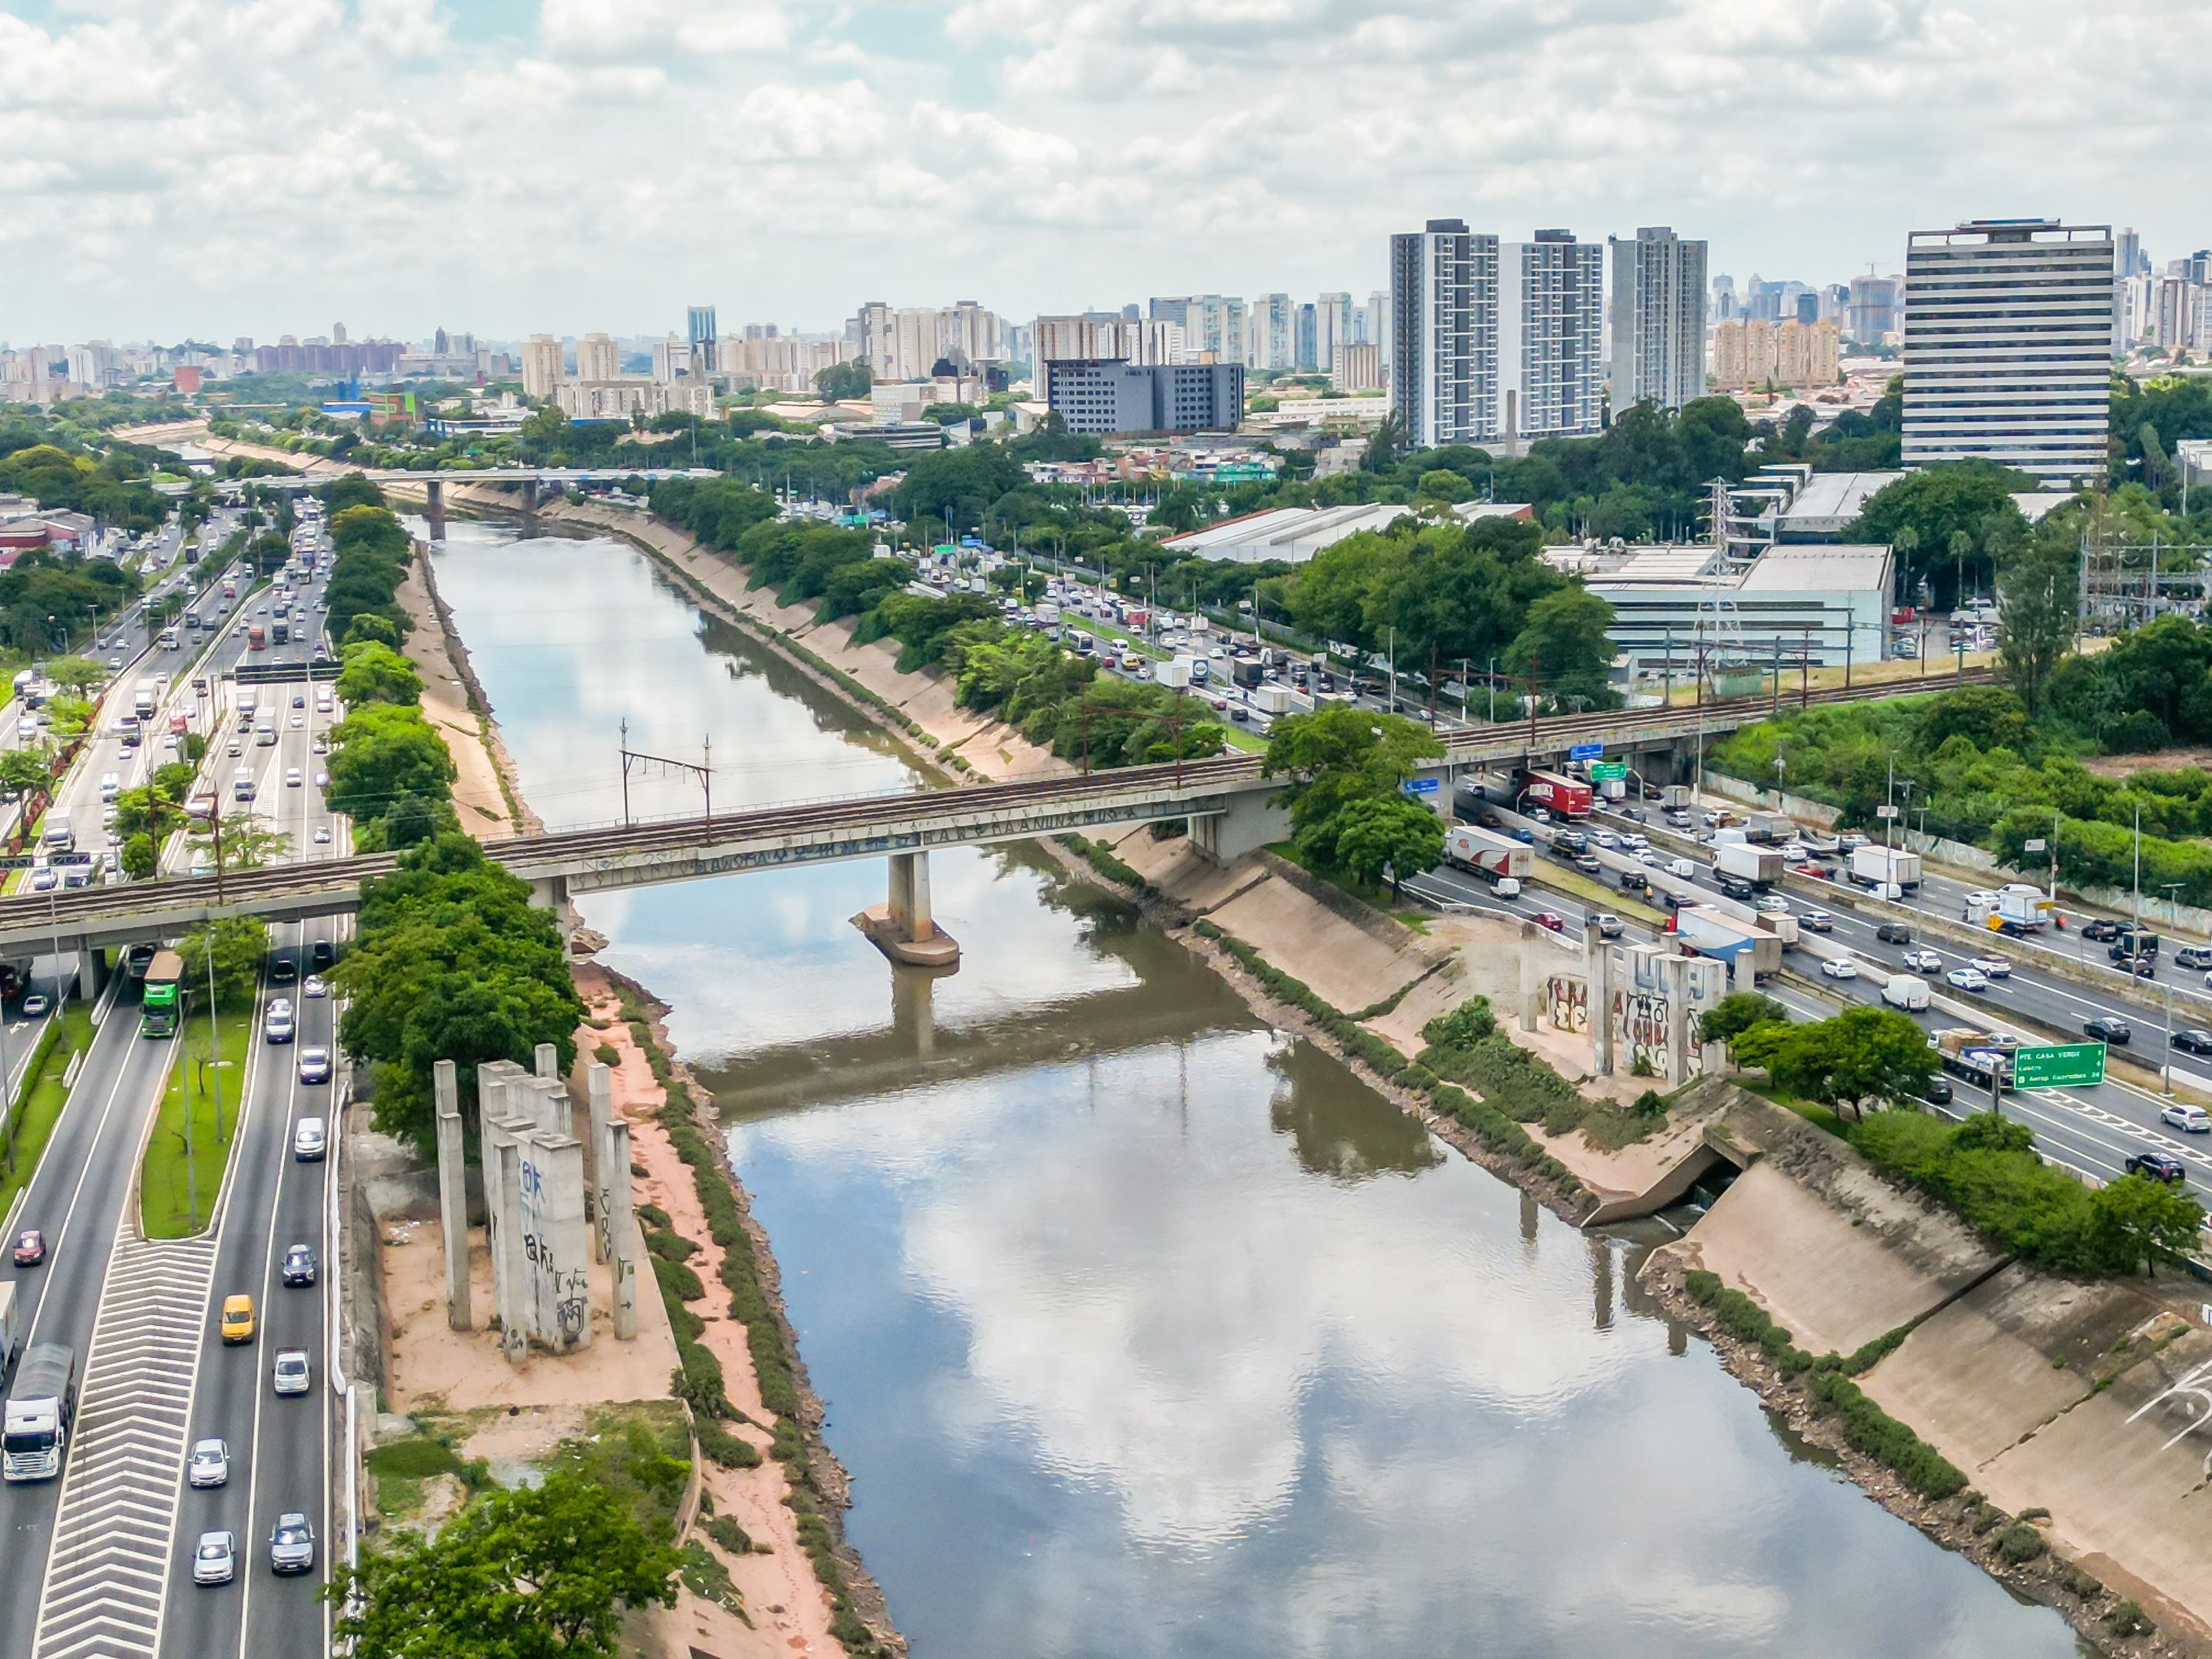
108, 1571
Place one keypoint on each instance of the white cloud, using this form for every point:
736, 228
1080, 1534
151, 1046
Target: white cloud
225, 166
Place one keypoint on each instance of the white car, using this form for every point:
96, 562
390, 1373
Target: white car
1927, 962
2189, 1120
1968, 979
1636, 842
1995, 967
293, 1373
210, 1465
1981, 896
1646, 856
1818, 921
215, 1559
1840, 967
1774, 904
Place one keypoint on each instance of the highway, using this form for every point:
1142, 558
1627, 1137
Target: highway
98, 1553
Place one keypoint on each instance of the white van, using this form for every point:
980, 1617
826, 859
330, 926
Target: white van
1906, 991
1506, 887
110, 785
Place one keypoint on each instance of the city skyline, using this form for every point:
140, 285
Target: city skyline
218, 169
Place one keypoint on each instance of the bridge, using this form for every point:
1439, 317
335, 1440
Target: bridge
1232, 808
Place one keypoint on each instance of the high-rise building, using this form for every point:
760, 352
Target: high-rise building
1111, 397
338, 334
1333, 327
704, 349
2007, 346
1079, 338
1272, 337
1374, 320
1306, 352
1213, 323
541, 367
597, 358
1444, 333
2129, 258
1551, 308
1658, 319
1804, 355
1872, 309
1723, 305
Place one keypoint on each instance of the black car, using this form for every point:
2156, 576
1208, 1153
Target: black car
1635, 881
2156, 1166
283, 970
2193, 1041
1893, 933
1937, 1092
2098, 930
1633, 814
320, 953
300, 1265
1738, 890
2141, 967
1674, 901
2108, 1029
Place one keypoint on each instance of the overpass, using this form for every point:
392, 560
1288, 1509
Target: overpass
1232, 807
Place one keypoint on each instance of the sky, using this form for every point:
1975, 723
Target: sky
208, 168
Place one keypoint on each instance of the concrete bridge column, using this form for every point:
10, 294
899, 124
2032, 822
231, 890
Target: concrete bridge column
902, 926
530, 494
1678, 1020
434, 497
1597, 958
452, 1194
551, 893
91, 972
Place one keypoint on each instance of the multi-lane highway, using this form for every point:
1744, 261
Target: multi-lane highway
98, 1562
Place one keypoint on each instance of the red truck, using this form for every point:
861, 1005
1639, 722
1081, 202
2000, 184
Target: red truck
1564, 797
255, 639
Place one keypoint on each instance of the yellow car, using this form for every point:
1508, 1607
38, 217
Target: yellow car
238, 1318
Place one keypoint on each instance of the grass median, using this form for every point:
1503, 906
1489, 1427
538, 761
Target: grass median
39, 1107
176, 1195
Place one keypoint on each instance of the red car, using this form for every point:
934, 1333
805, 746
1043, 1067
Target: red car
30, 1248
1820, 870
1551, 920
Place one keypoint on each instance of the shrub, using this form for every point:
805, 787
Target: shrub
413, 1459
2020, 1543
677, 1282
721, 1446
1651, 1103
669, 1245
2129, 1620
1869, 1429
729, 1534
1471, 1023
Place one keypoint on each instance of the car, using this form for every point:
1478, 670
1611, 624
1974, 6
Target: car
1893, 933
314, 1066
320, 953
1936, 1092
2189, 1120
1774, 904
1817, 921
314, 985
277, 1026
1818, 873
292, 1544
45, 879
1710, 820
299, 699
291, 777
1609, 924
310, 1140
1995, 967
208, 1465
1742, 891
322, 779
35, 1006
1588, 863
215, 1559
2099, 929
293, 1373
2156, 1166
1552, 920
283, 970
1981, 896
1656, 860
2141, 967
2191, 1040
1636, 843
1633, 814
2106, 1029
237, 747
1840, 967
1606, 839
1850, 842
30, 1248
115, 662
238, 1318
300, 1264
1968, 979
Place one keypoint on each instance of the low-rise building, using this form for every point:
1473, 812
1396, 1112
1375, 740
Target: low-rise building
1102, 396
1813, 604
1295, 534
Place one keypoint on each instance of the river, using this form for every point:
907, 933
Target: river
1141, 1331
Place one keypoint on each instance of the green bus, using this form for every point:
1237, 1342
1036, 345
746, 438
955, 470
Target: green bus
166, 998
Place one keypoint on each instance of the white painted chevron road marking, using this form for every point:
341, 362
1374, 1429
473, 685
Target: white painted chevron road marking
116, 1525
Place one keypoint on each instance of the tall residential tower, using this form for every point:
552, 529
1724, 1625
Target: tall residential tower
1550, 352
1658, 319
1444, 333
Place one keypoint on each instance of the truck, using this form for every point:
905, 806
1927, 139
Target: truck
57, 836
1247, 672
1675, 797
1566, 796
1751, 953
163, 1009
170, 639
1769, 827
230, 590
1274, 698
2015, 907
248, 700
1174, 672
1872, 866
242, 784
1905, 991
256, 639
145, 699
280, 631
1977, 1056
12, 1320
1761, 866
1488, 854
41, 1412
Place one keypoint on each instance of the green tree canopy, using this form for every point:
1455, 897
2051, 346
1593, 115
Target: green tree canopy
1340, 755
381, 751
75, 673
844, 380
238, 945
1388, 832
1563, 648
1968, 498
376, 673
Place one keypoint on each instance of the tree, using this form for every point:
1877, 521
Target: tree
2146, 1221
239, 943
381, 752
526, 1574
842, 380
22, 771
1388, 832
248, 842
370, 628
1862, 1054
75, 673
1936, 503
137, 857
377, 673
1738, 1012
67, 716
2037, 594
1385, 447
1340, 755
1563, 648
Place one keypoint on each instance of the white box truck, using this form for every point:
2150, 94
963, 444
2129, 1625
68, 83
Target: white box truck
146, 698
1761, 866
1173, 672
40, 1410
1272, 699
1872, 866
1905, 991
12, 1320
2015, 907
1487, 854
57, 836
1750, 952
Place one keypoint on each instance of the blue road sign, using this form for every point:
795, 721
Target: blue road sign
1586, 751
1420, 786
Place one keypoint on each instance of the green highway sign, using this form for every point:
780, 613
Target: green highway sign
1600, 771
2058, 1065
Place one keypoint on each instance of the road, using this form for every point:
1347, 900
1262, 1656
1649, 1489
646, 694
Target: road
98, 1552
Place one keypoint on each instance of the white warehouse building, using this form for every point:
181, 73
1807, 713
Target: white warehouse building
1818, 603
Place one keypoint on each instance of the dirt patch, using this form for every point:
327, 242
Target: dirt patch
2159, 760
477, 797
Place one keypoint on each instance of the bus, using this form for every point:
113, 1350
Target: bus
255, 639
166, 998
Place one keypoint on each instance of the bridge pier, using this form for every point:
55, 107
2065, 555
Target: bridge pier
902, 927
551, 893
433, 498
91, 973
1251, 822
530, 494
452, 1194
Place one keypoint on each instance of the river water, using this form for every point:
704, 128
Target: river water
1141, 1331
